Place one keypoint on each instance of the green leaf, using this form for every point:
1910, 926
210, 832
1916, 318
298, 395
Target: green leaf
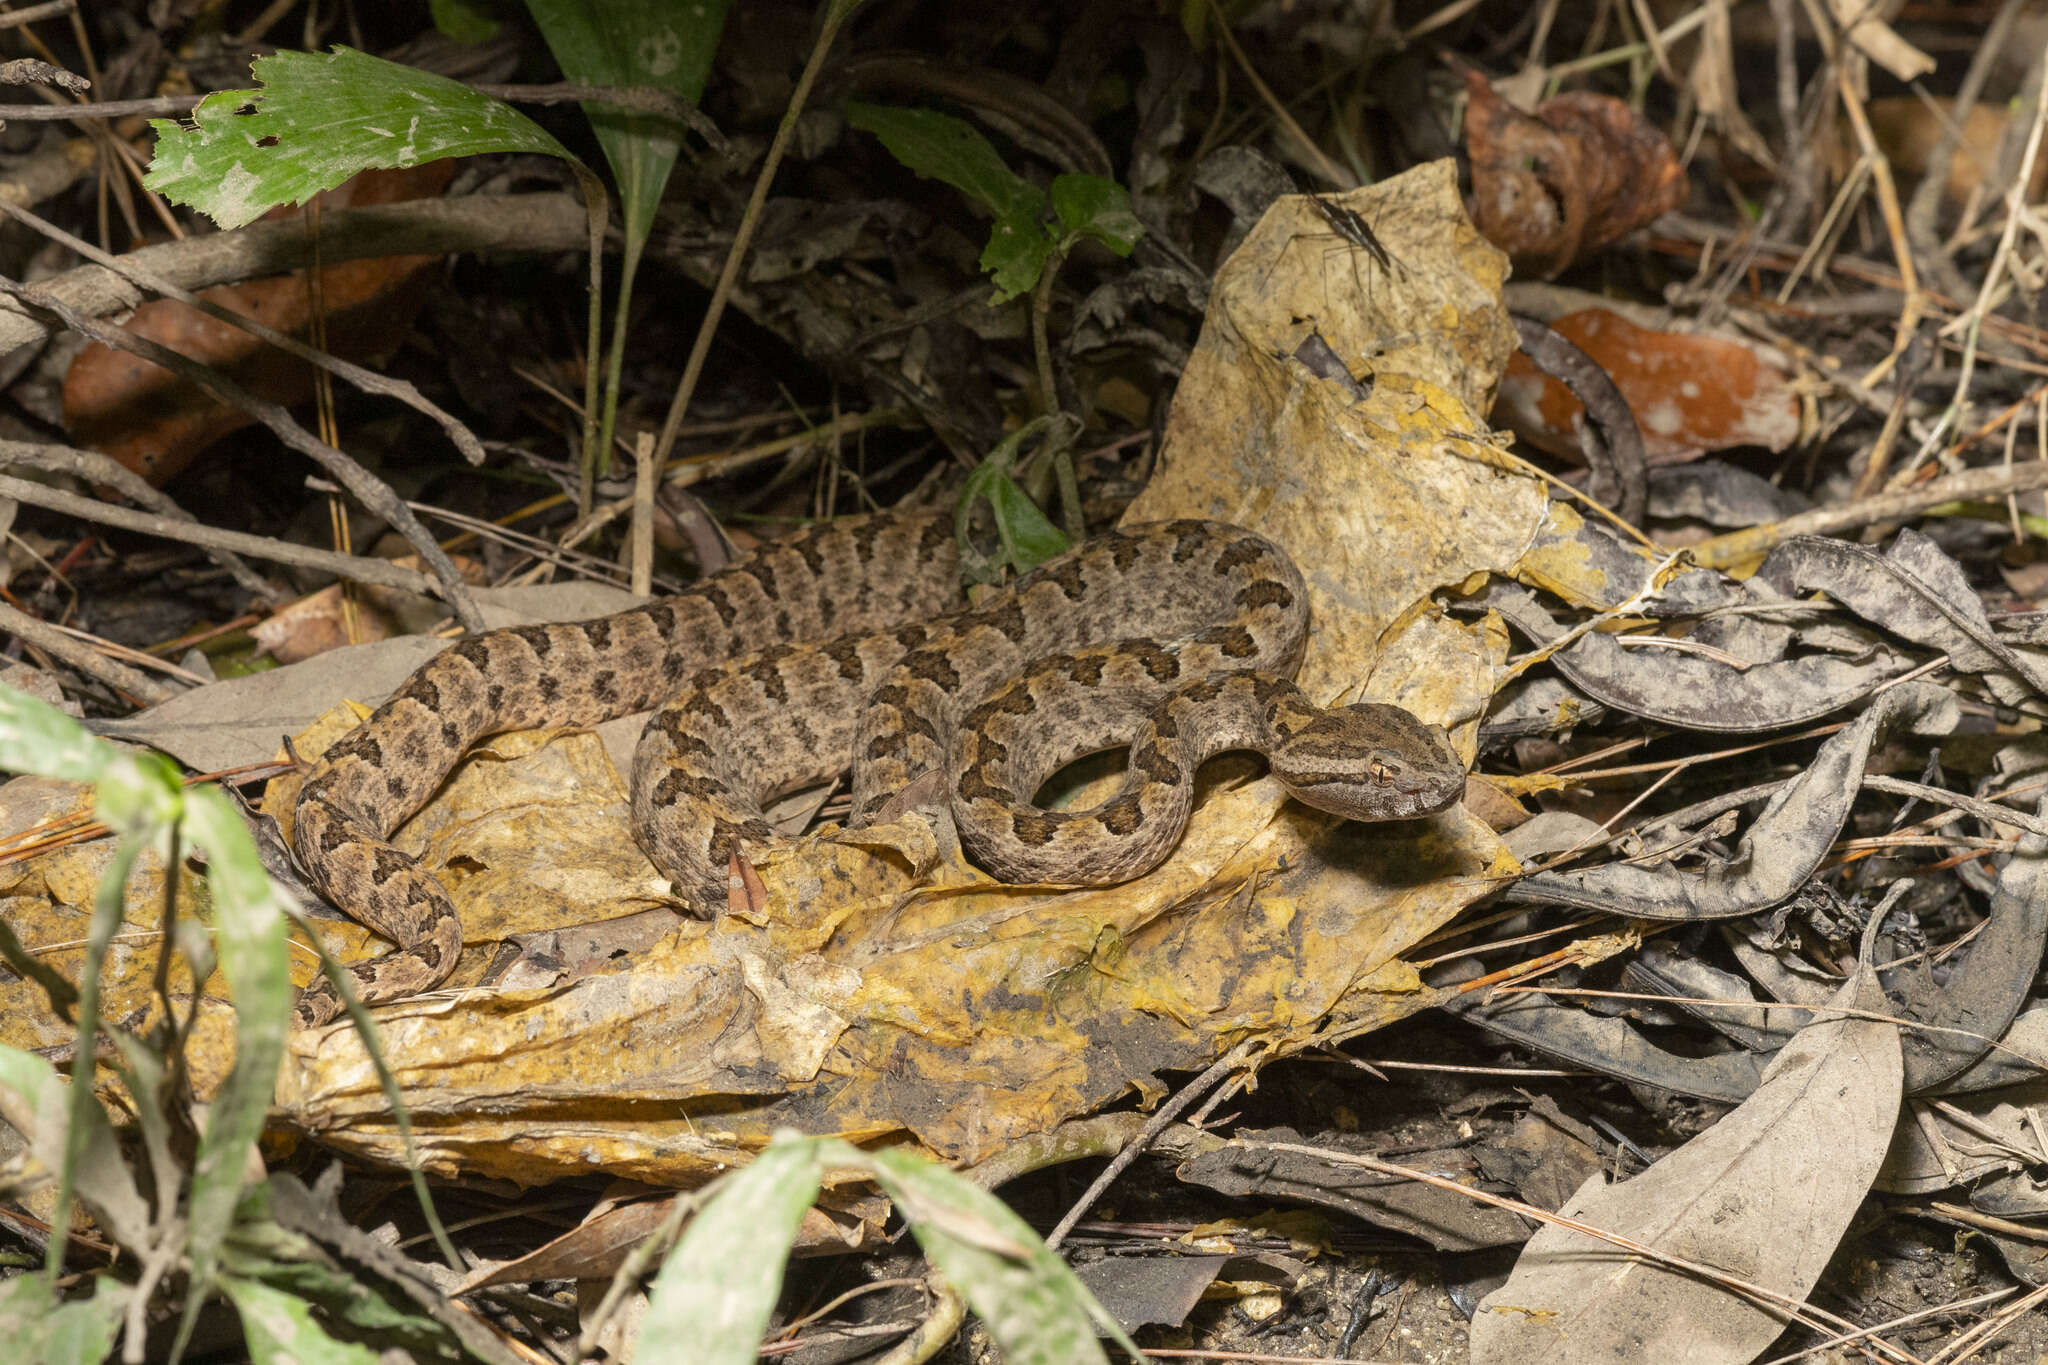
35, 737
1037, 1310
661, 44
319, 120
465, 21
249, 920
109, 900
946, 148
41, 1329
1016, 254
711, 1301
280, 1329
139, 794
1020, 245
1091, 206
1028, 539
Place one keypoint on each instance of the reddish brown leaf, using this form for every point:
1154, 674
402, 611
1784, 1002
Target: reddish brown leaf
156, 424
1689, 394
1554, 187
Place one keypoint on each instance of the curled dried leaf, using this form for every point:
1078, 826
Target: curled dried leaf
1553, 187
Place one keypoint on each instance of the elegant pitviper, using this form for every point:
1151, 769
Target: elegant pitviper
845, 645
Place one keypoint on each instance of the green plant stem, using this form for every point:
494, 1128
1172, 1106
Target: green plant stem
615, 357
1071, 520
1041, 345
837, 12
1061, 456
174, 1032
106, 918
597, 207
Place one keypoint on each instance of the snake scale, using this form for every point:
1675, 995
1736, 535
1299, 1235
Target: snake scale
846, 645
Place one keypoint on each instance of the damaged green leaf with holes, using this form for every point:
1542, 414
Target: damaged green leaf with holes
318, 120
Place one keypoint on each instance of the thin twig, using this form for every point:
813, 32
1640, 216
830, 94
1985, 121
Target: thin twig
586, 566
1157, 1124
1327, 168
1895, 225
1891, 1325
1993, 52
84, 658
35, 14
1967, 1344
139, 658
1973, 485
371, 491
948, 1311
1973, 320
160, 106
645, 471
1988, 811
104, 469
380, 572
836, 14
686, 470
514, 223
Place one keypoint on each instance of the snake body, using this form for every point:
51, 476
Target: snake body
845, 645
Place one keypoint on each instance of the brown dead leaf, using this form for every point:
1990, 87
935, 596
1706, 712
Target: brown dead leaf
1552, 188
1277, 1164
1976, 1138
2025, 575
1763, 1195
322, 621
531, 832
1690, 394
156, 424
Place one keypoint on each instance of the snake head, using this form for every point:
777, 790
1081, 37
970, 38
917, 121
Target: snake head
1370, 762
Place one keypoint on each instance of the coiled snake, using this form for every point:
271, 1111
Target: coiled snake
845, 646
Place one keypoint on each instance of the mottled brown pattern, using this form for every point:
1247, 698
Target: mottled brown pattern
847, 642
